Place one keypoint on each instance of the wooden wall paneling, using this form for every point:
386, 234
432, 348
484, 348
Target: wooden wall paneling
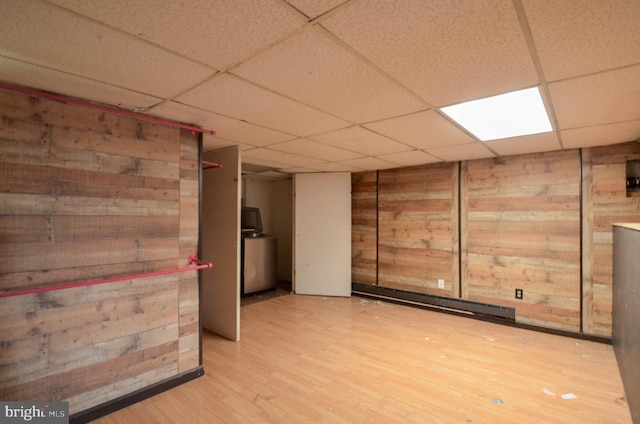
364, 227
418, 228
464, 219
85, 333
521, 224
606, 203
86, 195
189, 288
455, 230
587, 243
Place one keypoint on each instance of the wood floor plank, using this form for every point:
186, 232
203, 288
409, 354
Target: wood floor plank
356, 360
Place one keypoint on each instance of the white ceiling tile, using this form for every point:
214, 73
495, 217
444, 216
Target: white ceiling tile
422, 130
544, 142
332, 167
601, 135
602, 98
312, 68
286, 160
47, 79
45, 35
416, 157
233, 97
361, 140
192, 28
315, 8
579, 37
470, 151
369, 163
229, 128
314, 149
299, 170
446, 51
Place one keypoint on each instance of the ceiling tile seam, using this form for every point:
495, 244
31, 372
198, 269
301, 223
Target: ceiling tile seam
60, 71
426, 152
402, 115
329, 13
584, 127
535, 58
394, 81
228, 69
388, 137
133, 36
373, 66
596, 73
382, 156
288, 153
411, 147
298, 11
293, 136
215, 72
285, 96
270, 146
308, 23
396, 164
345, 162
311, 157
148, 42
339, 162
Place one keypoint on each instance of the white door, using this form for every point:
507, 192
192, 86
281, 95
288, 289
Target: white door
322, 226
220, 301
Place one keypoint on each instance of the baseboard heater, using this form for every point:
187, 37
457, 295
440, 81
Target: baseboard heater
449, 304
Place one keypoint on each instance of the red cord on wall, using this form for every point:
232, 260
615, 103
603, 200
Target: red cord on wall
192, 260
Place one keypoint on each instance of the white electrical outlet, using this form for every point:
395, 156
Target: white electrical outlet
440, 283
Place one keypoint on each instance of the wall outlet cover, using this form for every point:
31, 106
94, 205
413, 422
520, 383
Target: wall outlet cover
440, 283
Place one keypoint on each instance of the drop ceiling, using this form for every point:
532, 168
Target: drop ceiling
335, 85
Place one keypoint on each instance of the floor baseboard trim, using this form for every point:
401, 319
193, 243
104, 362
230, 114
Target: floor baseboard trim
106, 408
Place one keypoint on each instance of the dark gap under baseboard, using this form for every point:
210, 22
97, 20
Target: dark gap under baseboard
483, 311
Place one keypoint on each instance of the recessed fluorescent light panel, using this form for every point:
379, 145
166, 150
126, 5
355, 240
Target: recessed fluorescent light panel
507, 115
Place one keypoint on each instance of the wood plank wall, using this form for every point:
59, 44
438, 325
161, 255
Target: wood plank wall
418, 228
606, 203
520, 227
364, 227
87, 195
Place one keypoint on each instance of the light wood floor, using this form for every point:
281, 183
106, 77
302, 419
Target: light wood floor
355, 360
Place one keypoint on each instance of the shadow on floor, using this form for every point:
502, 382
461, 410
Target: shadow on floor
284, 287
